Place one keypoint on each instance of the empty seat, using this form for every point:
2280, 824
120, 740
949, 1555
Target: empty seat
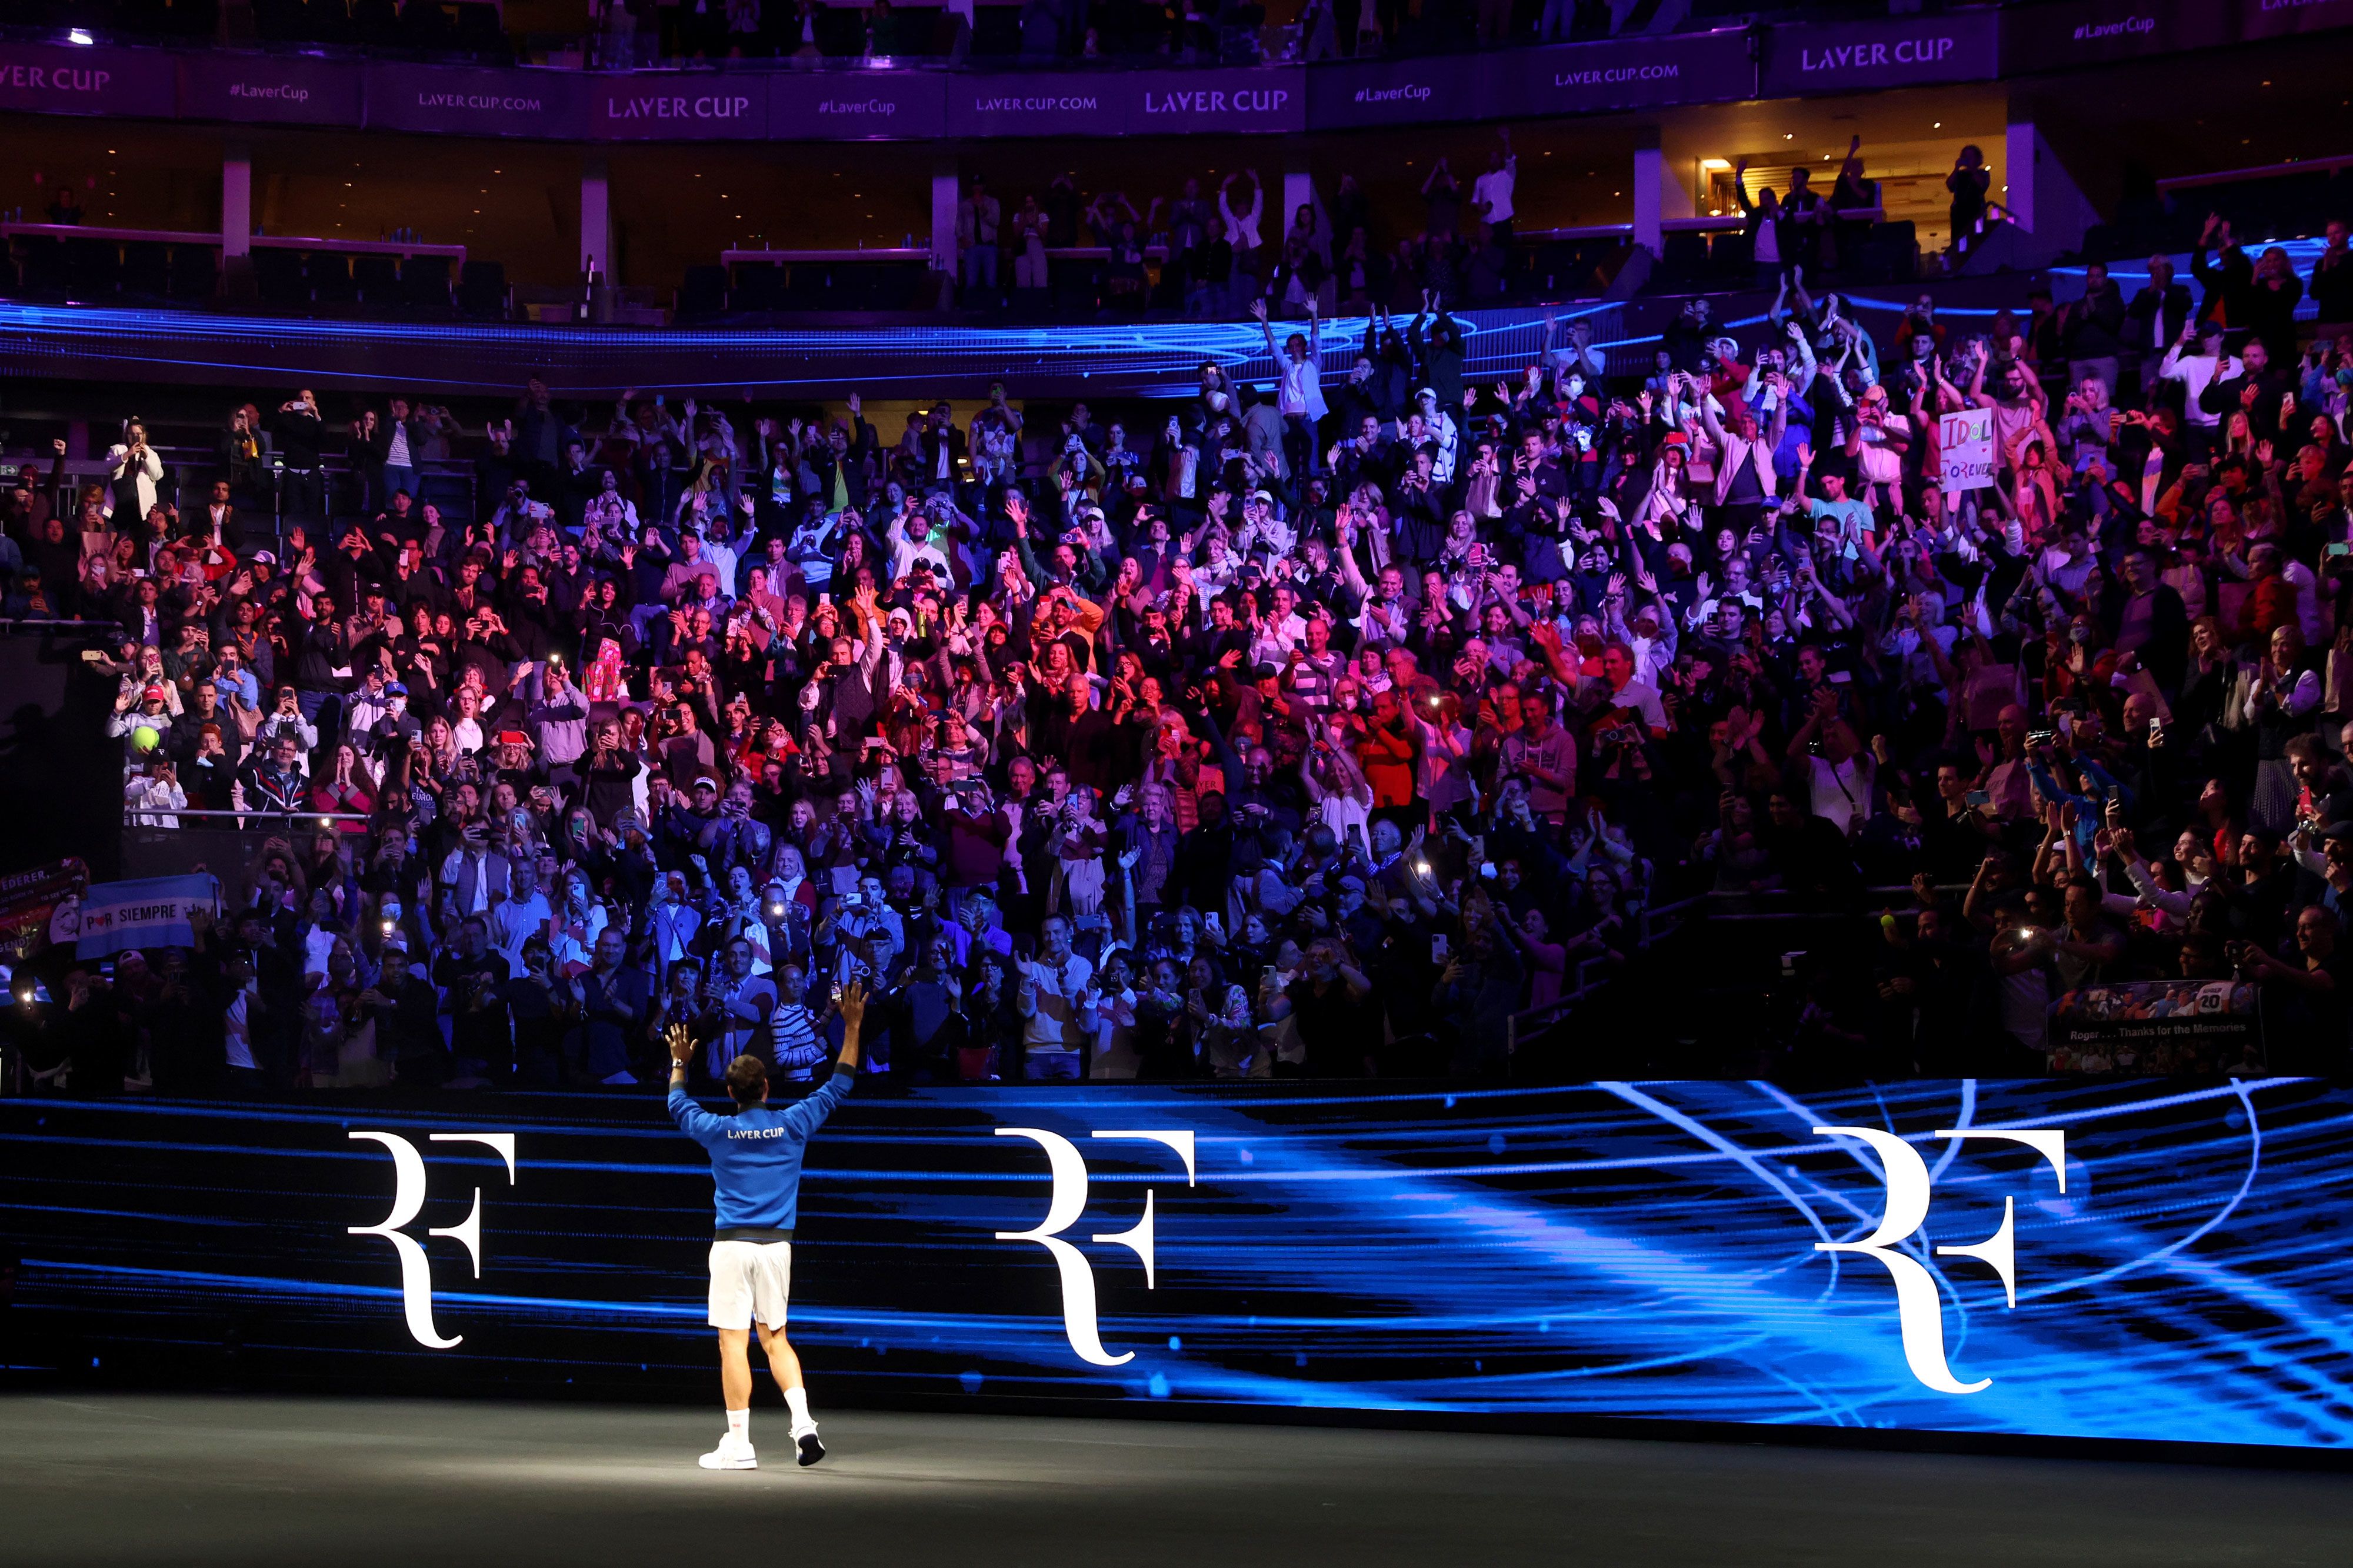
278, 275
377, 278
45, 264
841, 31
147, 269
424, 282
330, 272
759, 286
1891, 254
703, 292
996, 30
93, 268
481, 34
1683, 256
483, 290
196, 274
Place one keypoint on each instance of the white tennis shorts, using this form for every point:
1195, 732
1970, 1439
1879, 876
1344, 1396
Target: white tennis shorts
750, 1277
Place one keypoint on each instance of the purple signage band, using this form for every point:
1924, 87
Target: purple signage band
2099, 32
1566, 78
1627, 73
1403, 92
676, 106
899, 106
2281, 18
465, 101
276, 89
1862, 57
45, 79
1130, 104
743, 105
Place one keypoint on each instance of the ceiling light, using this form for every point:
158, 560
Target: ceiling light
1713, 164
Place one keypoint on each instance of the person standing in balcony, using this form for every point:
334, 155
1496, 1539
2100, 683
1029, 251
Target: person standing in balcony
977, 217
1490, 194
2332, 281
300, 430
1241, 228
134, 475
1968, 182
1300, 400
1764, 215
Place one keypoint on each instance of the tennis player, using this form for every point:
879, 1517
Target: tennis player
755, 1163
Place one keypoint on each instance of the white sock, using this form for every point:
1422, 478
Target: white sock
739, 1424
796, 1401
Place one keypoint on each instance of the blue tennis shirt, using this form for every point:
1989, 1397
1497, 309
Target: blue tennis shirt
755, 1154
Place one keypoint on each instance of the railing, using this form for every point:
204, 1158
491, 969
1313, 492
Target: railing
220, 842
785, 257
214, 239
2259, 172
1653, 925
1663, 922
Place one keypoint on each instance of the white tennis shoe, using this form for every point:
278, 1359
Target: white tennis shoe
734, 1453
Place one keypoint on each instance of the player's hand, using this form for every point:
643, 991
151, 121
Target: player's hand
681, 1045
851, 1003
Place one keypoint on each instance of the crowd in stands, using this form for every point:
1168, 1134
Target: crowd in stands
1213, 254
1315, 726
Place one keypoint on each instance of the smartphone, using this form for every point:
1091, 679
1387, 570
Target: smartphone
1438, 947
1979, 798
1840, 678
2337, 550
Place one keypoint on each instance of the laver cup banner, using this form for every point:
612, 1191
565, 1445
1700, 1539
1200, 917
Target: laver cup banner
1782, 60
2124, 1260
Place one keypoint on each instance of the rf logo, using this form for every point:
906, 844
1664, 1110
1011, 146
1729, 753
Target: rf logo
408, 1199
1916, 1310
1069, 1169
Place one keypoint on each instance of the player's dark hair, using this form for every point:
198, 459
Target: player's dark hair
747, 1081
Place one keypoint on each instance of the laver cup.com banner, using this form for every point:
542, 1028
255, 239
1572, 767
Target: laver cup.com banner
2133, 1260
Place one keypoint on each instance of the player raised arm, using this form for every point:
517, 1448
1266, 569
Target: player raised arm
851, 1005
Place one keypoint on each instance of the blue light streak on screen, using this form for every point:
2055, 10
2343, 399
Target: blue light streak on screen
1157, 360
1618, 1250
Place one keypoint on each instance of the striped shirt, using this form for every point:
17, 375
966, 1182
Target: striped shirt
797, 1041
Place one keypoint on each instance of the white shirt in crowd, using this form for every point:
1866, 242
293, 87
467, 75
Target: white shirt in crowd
1493, 189
1054, 1026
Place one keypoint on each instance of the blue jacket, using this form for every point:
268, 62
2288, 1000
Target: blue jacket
755, 1154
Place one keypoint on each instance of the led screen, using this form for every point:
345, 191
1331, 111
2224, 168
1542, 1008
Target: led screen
2131, 1260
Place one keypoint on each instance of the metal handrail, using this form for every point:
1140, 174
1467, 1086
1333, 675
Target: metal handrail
1663, 921
1655, 924
217, 239
240, 816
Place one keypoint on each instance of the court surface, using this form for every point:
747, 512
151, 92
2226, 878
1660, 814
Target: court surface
339, 1483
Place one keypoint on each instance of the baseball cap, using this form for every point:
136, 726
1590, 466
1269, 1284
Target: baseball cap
263, 558
707, 782
396, 688
154, 694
